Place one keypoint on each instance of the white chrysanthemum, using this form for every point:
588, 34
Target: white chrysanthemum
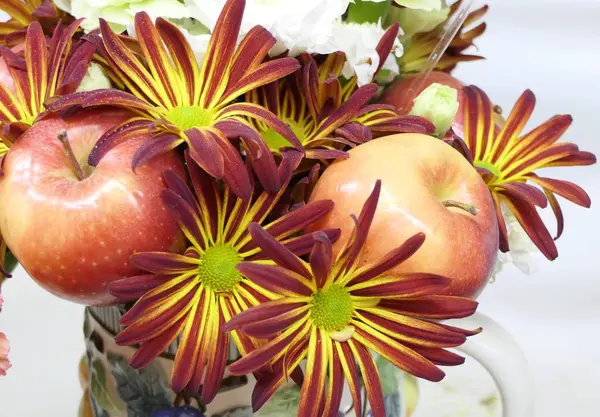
120, 13
522, 250
298, 26
359, 42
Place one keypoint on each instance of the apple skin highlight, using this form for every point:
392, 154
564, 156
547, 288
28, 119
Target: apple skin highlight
418, 172
74, 237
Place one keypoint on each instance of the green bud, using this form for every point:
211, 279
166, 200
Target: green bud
439, 104
95, 79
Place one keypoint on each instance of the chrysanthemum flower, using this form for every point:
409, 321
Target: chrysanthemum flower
194, 294
418, 48
24, 12
181, 102
326, 115
508, 163
41, 71
335, 312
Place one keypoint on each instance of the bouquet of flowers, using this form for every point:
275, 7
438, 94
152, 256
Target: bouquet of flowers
296, 193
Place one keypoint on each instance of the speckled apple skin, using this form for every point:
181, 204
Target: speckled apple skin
74, 237
417, 173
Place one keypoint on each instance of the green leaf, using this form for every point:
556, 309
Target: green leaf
100, 390
362, 11
389, 375
144, 391
10, 262
283, 403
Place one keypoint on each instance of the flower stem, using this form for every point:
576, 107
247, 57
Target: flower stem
469, 208
64, 138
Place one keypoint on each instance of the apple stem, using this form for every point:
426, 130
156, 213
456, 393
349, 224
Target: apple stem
469, 208
64, 138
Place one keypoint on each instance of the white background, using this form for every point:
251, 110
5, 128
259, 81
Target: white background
550, 46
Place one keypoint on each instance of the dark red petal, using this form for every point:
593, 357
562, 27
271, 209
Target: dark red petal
321, 258
151, 349
272, 326
216, 370
352, 375
262, 159
401, 356
205, 151
438, 307
256, 359
206, 191
502, 229
262, 312
440, 357
275, 278
560, 220
565, 189
186, 217
163, 262
263, 115
415, 331
525, 192
391, 260
251, 52
114, 136
326, 154
132, 288
276, 251
154, 147
235, 173
408, 285
189, 345
351, 251
371, 378
386, 43
303, 245
313, 391
221, 48
175, 183
348, 109
533, 225
300, 218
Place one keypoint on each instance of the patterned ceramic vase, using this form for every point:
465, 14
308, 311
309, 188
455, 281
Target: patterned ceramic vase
114, 389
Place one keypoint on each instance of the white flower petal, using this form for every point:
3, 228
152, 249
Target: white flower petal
120, 13
358, 42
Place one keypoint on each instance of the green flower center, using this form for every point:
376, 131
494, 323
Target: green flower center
189, 117
331, 309
217, 268
490, 167
275, 141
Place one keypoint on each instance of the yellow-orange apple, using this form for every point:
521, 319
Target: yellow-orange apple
428, 187
74, 230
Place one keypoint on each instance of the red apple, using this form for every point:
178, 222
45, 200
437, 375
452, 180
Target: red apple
5, 78
75, 236
418, 174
